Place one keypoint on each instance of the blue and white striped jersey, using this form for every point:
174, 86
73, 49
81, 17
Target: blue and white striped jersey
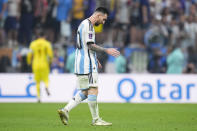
85, 59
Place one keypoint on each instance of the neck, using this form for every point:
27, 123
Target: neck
92, 19
41, 37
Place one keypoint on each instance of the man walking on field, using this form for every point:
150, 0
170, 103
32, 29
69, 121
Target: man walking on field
40, 56
86, 67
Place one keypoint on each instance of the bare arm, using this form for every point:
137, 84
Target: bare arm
110, 51
19, 10
96, 48
44, 12
145, 15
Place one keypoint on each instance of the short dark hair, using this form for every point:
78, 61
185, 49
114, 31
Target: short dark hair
102, 10
41, 33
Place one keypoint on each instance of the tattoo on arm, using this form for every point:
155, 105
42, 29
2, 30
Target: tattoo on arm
96, 48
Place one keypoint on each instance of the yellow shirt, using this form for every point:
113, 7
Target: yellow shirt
78, 11
41, 53
99, 28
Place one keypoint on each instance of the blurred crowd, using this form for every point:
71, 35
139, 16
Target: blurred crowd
153, 36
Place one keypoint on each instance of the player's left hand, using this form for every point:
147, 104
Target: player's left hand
112, 51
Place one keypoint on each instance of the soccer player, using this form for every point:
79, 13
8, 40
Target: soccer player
40, 56
86, 67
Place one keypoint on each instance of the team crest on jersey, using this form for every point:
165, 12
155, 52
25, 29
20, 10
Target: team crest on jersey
90, 36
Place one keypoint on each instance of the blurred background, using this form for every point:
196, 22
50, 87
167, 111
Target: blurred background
153, 36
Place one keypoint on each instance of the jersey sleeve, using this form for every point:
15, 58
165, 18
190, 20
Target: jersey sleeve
90, 34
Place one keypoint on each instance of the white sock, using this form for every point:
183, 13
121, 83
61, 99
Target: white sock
78, 98
93, 106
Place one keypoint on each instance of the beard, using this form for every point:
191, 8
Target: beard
96, 24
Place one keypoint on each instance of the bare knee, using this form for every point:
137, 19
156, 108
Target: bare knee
93, 91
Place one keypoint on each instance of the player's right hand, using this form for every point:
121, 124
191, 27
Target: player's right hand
113, 52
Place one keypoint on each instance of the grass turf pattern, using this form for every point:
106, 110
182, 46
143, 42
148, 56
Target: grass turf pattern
124, 116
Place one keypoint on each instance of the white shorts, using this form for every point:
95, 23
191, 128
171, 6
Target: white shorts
84, 82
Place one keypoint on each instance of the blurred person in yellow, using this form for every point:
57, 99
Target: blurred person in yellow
40, 57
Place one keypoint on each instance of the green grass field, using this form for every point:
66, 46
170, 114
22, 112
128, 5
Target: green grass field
125, 117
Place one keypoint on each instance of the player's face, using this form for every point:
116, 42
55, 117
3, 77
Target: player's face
101, 19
